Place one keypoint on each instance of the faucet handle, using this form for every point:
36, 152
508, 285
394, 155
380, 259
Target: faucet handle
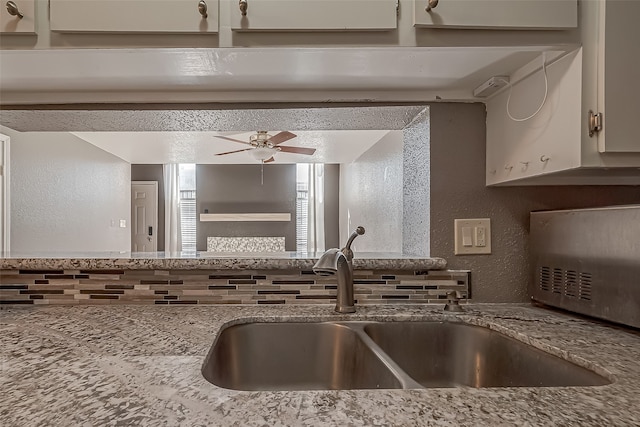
453, 302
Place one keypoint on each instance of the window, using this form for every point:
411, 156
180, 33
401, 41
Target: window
187, 187
310, 207
302, 206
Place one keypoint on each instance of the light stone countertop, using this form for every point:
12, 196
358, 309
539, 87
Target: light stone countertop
207, 260
140, 365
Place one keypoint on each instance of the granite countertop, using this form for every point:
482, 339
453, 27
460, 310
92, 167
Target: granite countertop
207, 260
140, 365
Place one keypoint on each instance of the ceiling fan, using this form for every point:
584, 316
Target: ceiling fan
264, 146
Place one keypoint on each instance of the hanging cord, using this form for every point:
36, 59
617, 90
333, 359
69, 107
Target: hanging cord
546, 91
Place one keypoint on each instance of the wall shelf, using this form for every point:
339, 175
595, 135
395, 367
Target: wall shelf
245, 217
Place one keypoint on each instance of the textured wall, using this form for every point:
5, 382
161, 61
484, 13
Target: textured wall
67, 195
153, 173
458, 191
237, 189
371, 196
415, 187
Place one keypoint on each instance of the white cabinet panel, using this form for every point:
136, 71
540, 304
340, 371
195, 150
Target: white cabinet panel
133, 16
315, 15
10, 24
499, 14
548, 142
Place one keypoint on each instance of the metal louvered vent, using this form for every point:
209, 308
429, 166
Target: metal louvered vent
568, 283
545, 279
571, 283
584, 287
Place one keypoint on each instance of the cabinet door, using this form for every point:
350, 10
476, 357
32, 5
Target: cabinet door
133, 16
497, 14
619, 70
315, 15
10, 24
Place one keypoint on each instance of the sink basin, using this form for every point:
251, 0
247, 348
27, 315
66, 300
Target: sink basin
295, 356
386, 355
455, 354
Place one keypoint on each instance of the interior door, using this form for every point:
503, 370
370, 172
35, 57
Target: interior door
144, 216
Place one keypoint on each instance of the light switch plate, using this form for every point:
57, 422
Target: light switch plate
480, 236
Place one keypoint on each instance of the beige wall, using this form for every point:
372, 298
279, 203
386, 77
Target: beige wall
458, 191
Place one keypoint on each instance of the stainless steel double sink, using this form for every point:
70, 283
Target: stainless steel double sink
381, 355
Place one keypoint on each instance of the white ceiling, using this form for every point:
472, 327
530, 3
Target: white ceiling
332, 146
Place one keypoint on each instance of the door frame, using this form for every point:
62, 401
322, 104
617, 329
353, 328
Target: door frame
155, 213
5, 201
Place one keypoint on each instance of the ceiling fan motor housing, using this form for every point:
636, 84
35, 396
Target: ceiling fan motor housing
261, 138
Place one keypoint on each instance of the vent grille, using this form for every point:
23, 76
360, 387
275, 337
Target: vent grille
584, 292
569, 283
545, 279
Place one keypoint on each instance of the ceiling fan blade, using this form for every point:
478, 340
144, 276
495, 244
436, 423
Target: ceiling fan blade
269, 160
281, 137
236, 151
298, 150
231, 139
230, 132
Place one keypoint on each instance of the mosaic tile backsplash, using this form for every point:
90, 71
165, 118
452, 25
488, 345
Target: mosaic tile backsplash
224, 286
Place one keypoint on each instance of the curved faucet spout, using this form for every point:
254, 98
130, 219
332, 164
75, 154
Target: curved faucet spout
339, 262
359, 231
327, 265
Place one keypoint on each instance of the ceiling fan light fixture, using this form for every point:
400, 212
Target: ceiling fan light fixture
263, 153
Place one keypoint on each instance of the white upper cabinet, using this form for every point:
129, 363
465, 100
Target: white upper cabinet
18, 17
134, 16
496, 14
314, 15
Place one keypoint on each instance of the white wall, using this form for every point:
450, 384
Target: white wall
371, 192
67, 195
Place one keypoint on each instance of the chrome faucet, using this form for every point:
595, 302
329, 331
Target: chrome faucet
340, 262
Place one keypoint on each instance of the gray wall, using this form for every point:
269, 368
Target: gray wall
67, 195
332, 206
458, 191
237, 189
153, 173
